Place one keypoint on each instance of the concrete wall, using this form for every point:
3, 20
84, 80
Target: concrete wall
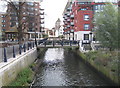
10, 69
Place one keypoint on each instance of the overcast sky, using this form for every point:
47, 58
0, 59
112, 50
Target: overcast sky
53, 11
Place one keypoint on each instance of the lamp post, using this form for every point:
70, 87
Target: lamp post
90, 36
35, 38
72, 31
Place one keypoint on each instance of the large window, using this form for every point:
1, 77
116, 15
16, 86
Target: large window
86, 36
86, 17
3, 25
86, 26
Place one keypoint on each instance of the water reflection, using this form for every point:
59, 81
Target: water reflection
62, 68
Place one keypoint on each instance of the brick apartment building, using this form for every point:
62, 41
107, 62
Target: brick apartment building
31, 20
78, 18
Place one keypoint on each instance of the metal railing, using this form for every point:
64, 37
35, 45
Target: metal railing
12, 51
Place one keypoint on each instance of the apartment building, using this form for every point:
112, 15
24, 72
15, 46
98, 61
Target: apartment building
78, 18
30, 18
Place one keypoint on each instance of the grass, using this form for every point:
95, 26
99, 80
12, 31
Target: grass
24, 78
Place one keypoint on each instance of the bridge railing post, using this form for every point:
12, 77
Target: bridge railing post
5, 56
20, 49
13, 52
45, 43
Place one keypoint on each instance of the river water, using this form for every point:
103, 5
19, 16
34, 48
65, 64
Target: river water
62, 68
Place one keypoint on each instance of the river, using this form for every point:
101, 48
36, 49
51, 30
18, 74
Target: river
63, 68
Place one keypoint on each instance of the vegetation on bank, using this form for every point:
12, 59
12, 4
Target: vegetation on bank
106, 62
106, 27
24, 78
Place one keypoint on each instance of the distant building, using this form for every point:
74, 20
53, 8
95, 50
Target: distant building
31, 21
58, 28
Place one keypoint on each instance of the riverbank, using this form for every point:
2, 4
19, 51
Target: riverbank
27, 75
105, 63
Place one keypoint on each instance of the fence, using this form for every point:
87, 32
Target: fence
12, 51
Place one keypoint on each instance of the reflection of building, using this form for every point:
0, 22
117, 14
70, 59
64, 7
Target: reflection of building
30, 21
78, 16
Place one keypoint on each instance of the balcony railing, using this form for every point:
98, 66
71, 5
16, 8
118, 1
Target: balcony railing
68, 26
69, 9
72, 23
68, 15
72, 16
68, 20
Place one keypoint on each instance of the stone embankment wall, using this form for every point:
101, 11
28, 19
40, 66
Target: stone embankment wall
10, 70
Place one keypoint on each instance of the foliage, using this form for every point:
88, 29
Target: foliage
24, 78
106, 23
45, 36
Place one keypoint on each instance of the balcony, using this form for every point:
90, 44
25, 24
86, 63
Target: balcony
41, 18
72, 23
65, 18
69, 9
65, 14
68, 20
42, 22
42, 13
68, 15
72, 16
65, 23
65, 28
68, 26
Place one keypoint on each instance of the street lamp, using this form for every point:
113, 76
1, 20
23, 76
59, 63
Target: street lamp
91, 36
72, 31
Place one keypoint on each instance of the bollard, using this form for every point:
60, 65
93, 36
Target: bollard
78, 43
70, 43
13, 52
20, 49
62, 43
53, 44
28, 46
5, 56
33, 44
24, 48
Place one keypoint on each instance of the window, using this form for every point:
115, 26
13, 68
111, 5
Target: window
3, 29
86, 17
24, 18
83, 9
30, 3
3, 21
3, 25
86, 36
36, 9
86, 26
96, 7
3, 16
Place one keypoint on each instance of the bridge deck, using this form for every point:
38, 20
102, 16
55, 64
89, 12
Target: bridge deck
49, 46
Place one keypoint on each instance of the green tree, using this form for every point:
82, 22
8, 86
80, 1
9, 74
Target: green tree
107, 29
